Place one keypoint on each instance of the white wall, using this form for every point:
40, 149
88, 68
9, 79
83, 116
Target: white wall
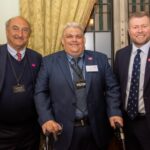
8, 9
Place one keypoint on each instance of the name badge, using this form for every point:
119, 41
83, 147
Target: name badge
19, 88
91, 68
80, 84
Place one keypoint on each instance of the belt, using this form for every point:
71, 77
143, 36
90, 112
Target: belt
81, 122
140, 115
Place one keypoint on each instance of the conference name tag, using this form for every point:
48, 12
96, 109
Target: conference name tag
91, 68
80, 84
18, 88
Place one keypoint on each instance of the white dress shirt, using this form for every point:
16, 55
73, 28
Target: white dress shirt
143, 55
13, 52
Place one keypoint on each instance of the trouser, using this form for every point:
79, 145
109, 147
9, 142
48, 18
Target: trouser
137, 133
20, 138
83, 139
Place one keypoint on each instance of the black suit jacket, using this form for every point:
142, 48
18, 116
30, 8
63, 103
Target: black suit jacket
33, 57
55, 96
121, 69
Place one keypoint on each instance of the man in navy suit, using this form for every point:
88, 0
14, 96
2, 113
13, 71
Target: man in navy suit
58, 96
137, 125
19, 129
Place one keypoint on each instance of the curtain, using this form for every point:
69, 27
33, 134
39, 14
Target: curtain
48, 17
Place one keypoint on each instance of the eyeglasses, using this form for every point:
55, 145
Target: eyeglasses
24, 29
70, 36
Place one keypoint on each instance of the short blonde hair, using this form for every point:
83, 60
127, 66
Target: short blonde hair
139, 14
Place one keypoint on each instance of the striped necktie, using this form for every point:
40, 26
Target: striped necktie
19, 56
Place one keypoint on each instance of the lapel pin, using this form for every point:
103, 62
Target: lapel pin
90, 58
33, 65
148, 59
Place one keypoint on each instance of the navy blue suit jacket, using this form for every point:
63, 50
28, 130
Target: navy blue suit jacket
55, 96
121, 69
33, 57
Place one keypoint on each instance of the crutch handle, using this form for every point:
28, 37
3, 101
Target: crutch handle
121, 134
119, 127
50, 138
47, 140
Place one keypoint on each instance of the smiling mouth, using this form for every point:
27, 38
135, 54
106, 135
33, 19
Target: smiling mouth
140, 36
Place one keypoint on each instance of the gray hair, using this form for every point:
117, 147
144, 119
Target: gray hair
73, 25
9, 21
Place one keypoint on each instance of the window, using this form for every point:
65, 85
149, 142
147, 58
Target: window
138, 5
99, 30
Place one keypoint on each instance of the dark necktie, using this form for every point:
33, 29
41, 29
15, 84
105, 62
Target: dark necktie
132, 107
19, 56
80, 92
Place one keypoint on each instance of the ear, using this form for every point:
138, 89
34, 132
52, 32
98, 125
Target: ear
129, 31
6, 31
62, 41
84, 40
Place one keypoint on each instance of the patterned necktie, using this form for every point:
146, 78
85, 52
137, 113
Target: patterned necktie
80, 92
19, 56
77, 71
132, 107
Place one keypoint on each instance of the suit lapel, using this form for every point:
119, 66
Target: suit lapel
125, 66
89, 60
147, 71
3, 59
28, 56
63, 63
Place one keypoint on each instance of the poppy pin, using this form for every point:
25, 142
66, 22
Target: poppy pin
90, 58
33, 65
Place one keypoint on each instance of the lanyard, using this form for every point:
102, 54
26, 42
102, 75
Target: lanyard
76, 68
18, 78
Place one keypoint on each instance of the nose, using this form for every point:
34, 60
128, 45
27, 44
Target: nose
20, 33
74, 38
140, 29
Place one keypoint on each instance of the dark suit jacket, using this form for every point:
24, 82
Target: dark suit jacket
55, 96
121, 69
33, 57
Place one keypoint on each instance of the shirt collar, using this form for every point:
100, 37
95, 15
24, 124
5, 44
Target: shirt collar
69, 57
13, 52
144, 48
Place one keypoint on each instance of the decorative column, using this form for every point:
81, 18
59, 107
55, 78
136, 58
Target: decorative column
120, 24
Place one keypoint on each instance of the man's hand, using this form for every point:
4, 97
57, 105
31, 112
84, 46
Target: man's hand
51, 127
115, 119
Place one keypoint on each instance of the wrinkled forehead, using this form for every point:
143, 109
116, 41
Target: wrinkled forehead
18, 21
